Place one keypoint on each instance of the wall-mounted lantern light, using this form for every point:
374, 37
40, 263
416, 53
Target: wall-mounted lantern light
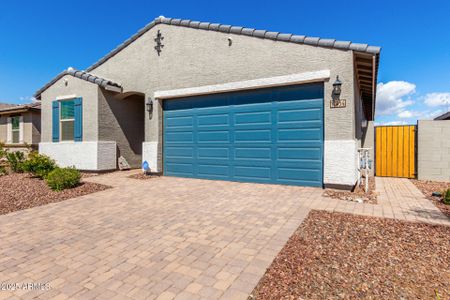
336, 100
149, 105
337, 87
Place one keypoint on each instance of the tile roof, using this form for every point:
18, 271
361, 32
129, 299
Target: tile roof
6, 107
445, 116
285, 37
105, 83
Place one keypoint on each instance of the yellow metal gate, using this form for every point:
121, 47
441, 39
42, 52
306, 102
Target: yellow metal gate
395, 154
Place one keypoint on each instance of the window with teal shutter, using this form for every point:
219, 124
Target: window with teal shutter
70, 120
67, 120
55, 121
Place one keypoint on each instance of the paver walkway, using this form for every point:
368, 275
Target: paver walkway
165, 237
170, 237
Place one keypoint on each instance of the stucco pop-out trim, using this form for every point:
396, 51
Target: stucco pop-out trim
340, 162
89, 156
300, 78
150, 154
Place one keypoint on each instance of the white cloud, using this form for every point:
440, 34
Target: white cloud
387, 123
437, 99
405, 114
27, 99
391, 97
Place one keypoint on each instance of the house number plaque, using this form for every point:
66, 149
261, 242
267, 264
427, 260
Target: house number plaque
338, 103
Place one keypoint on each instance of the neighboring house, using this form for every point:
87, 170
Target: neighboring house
20, 125
206, 100
445, 116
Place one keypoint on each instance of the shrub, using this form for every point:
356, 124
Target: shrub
39, 165
63, 178
15, 161
446, 199
2, 150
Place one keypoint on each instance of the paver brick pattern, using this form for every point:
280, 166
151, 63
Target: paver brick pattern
171, 238
161, 238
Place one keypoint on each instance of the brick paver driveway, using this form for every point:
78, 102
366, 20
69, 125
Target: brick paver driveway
160, 238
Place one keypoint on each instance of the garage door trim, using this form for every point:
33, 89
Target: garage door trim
278, 81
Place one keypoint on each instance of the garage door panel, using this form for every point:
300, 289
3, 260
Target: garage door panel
290, 116
213, 120
174, 168
217, 171
213, 136
299, 153
253, 118
253, 153
181, 152
253, 172
217, 153
181, 136
299, 134
180, 122
256, 135
271, 135
300, 124
299, 174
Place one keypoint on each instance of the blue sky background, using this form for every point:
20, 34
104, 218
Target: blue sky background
39, 39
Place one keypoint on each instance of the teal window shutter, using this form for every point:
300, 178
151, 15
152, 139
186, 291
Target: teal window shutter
78, 126
55, 121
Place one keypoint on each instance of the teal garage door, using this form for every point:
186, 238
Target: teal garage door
272, 135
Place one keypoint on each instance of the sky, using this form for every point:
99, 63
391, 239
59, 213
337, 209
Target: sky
39, 39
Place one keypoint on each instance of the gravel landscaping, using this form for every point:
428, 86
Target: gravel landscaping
343, 256
429, 187
357, 195
21, 191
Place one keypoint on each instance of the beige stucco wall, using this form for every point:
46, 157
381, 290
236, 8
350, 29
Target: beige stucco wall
31, 127
122, 120
433, 150
193, 57
77, 88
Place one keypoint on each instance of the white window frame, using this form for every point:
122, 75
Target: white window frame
11, 130
61, 120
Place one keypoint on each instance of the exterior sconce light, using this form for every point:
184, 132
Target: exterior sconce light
336, 101
337, 87
149, 105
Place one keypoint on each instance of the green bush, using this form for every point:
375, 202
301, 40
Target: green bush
446, 199
15, 161
39, 165
2, 150
3, 171
63, 178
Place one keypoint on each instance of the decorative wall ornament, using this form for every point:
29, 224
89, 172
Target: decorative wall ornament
158, 41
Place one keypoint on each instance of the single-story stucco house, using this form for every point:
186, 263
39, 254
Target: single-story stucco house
207, 100
20, 126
